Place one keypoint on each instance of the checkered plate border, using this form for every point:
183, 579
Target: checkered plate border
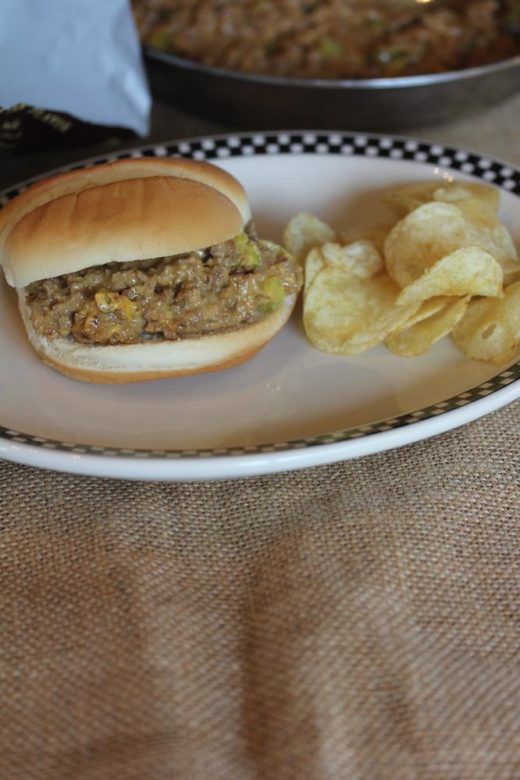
245, 145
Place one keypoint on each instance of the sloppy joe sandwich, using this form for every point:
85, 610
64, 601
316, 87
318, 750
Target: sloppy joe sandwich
144, 268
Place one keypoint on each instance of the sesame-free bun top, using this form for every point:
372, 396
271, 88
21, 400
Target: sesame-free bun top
128, 210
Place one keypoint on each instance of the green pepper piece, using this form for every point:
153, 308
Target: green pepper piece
273, 292
330, 48
160, 39
251, 257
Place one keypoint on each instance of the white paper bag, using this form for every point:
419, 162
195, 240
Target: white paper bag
78, 56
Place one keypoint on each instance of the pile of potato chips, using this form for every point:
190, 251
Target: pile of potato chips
445, 265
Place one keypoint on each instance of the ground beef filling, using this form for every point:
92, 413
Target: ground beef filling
333, 39
221, 288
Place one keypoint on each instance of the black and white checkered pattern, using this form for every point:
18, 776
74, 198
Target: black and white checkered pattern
308, 142
360, 145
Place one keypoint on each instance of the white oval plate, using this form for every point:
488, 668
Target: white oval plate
291, 406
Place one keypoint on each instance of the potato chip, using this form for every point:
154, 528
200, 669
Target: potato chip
360, 257
429, 308
424, 236
411, 283
314, 263
345, 314
458, 192
408, 197
417, 339
405, 198
512, 278
490, 329
303, 233
375, 232
480, 215
327, 254
435, 230
469, 271
493, 236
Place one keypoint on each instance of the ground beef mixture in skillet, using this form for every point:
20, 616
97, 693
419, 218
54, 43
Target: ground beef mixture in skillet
333, 39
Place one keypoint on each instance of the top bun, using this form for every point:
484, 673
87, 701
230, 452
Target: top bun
128, 210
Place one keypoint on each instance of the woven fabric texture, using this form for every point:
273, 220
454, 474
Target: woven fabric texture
356, 621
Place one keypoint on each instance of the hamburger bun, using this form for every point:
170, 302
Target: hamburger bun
126, 211
45, 230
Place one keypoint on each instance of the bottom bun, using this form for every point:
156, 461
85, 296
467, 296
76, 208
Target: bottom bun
156, 359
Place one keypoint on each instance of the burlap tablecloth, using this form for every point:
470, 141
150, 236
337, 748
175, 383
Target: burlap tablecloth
357, 621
